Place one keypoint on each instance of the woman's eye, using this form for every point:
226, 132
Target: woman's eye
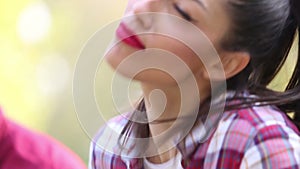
185, 15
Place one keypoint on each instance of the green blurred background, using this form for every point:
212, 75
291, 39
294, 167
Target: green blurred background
39, 44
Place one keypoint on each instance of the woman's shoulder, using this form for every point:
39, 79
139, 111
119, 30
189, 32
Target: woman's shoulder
262, 136
253, 137
258, 118
249, 124
111, 129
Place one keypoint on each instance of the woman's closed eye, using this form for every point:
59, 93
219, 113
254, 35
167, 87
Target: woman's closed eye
184, 14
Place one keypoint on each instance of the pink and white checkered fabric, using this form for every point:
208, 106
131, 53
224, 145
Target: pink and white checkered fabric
258, 137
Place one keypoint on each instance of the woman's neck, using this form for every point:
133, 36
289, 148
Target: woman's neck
166, 103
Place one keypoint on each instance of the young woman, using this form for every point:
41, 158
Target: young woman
253, 39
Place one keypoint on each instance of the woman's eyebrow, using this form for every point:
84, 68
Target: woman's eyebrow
201, 4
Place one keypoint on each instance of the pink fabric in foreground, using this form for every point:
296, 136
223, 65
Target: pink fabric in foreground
21, 148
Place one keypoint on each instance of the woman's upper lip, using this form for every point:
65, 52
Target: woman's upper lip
128, 37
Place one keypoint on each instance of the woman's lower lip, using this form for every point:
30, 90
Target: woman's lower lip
128, 37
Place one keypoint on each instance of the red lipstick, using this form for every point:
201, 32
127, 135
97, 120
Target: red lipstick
128, 37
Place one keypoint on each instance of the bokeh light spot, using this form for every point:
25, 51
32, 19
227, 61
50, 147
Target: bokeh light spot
34, 23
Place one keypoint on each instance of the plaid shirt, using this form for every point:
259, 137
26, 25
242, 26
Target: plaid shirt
258, 137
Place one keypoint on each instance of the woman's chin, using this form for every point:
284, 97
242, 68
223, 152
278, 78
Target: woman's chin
118, 53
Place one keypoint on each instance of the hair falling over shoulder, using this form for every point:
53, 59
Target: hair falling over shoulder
267, 55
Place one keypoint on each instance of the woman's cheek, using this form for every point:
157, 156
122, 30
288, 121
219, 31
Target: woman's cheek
183, 52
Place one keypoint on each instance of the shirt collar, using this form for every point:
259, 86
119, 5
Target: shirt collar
200, 133
186, 146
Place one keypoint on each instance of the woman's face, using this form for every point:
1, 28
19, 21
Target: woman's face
146, 20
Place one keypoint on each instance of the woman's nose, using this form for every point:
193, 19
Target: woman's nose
143, 6
146, 10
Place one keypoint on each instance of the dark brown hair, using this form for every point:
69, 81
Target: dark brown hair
266, 29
